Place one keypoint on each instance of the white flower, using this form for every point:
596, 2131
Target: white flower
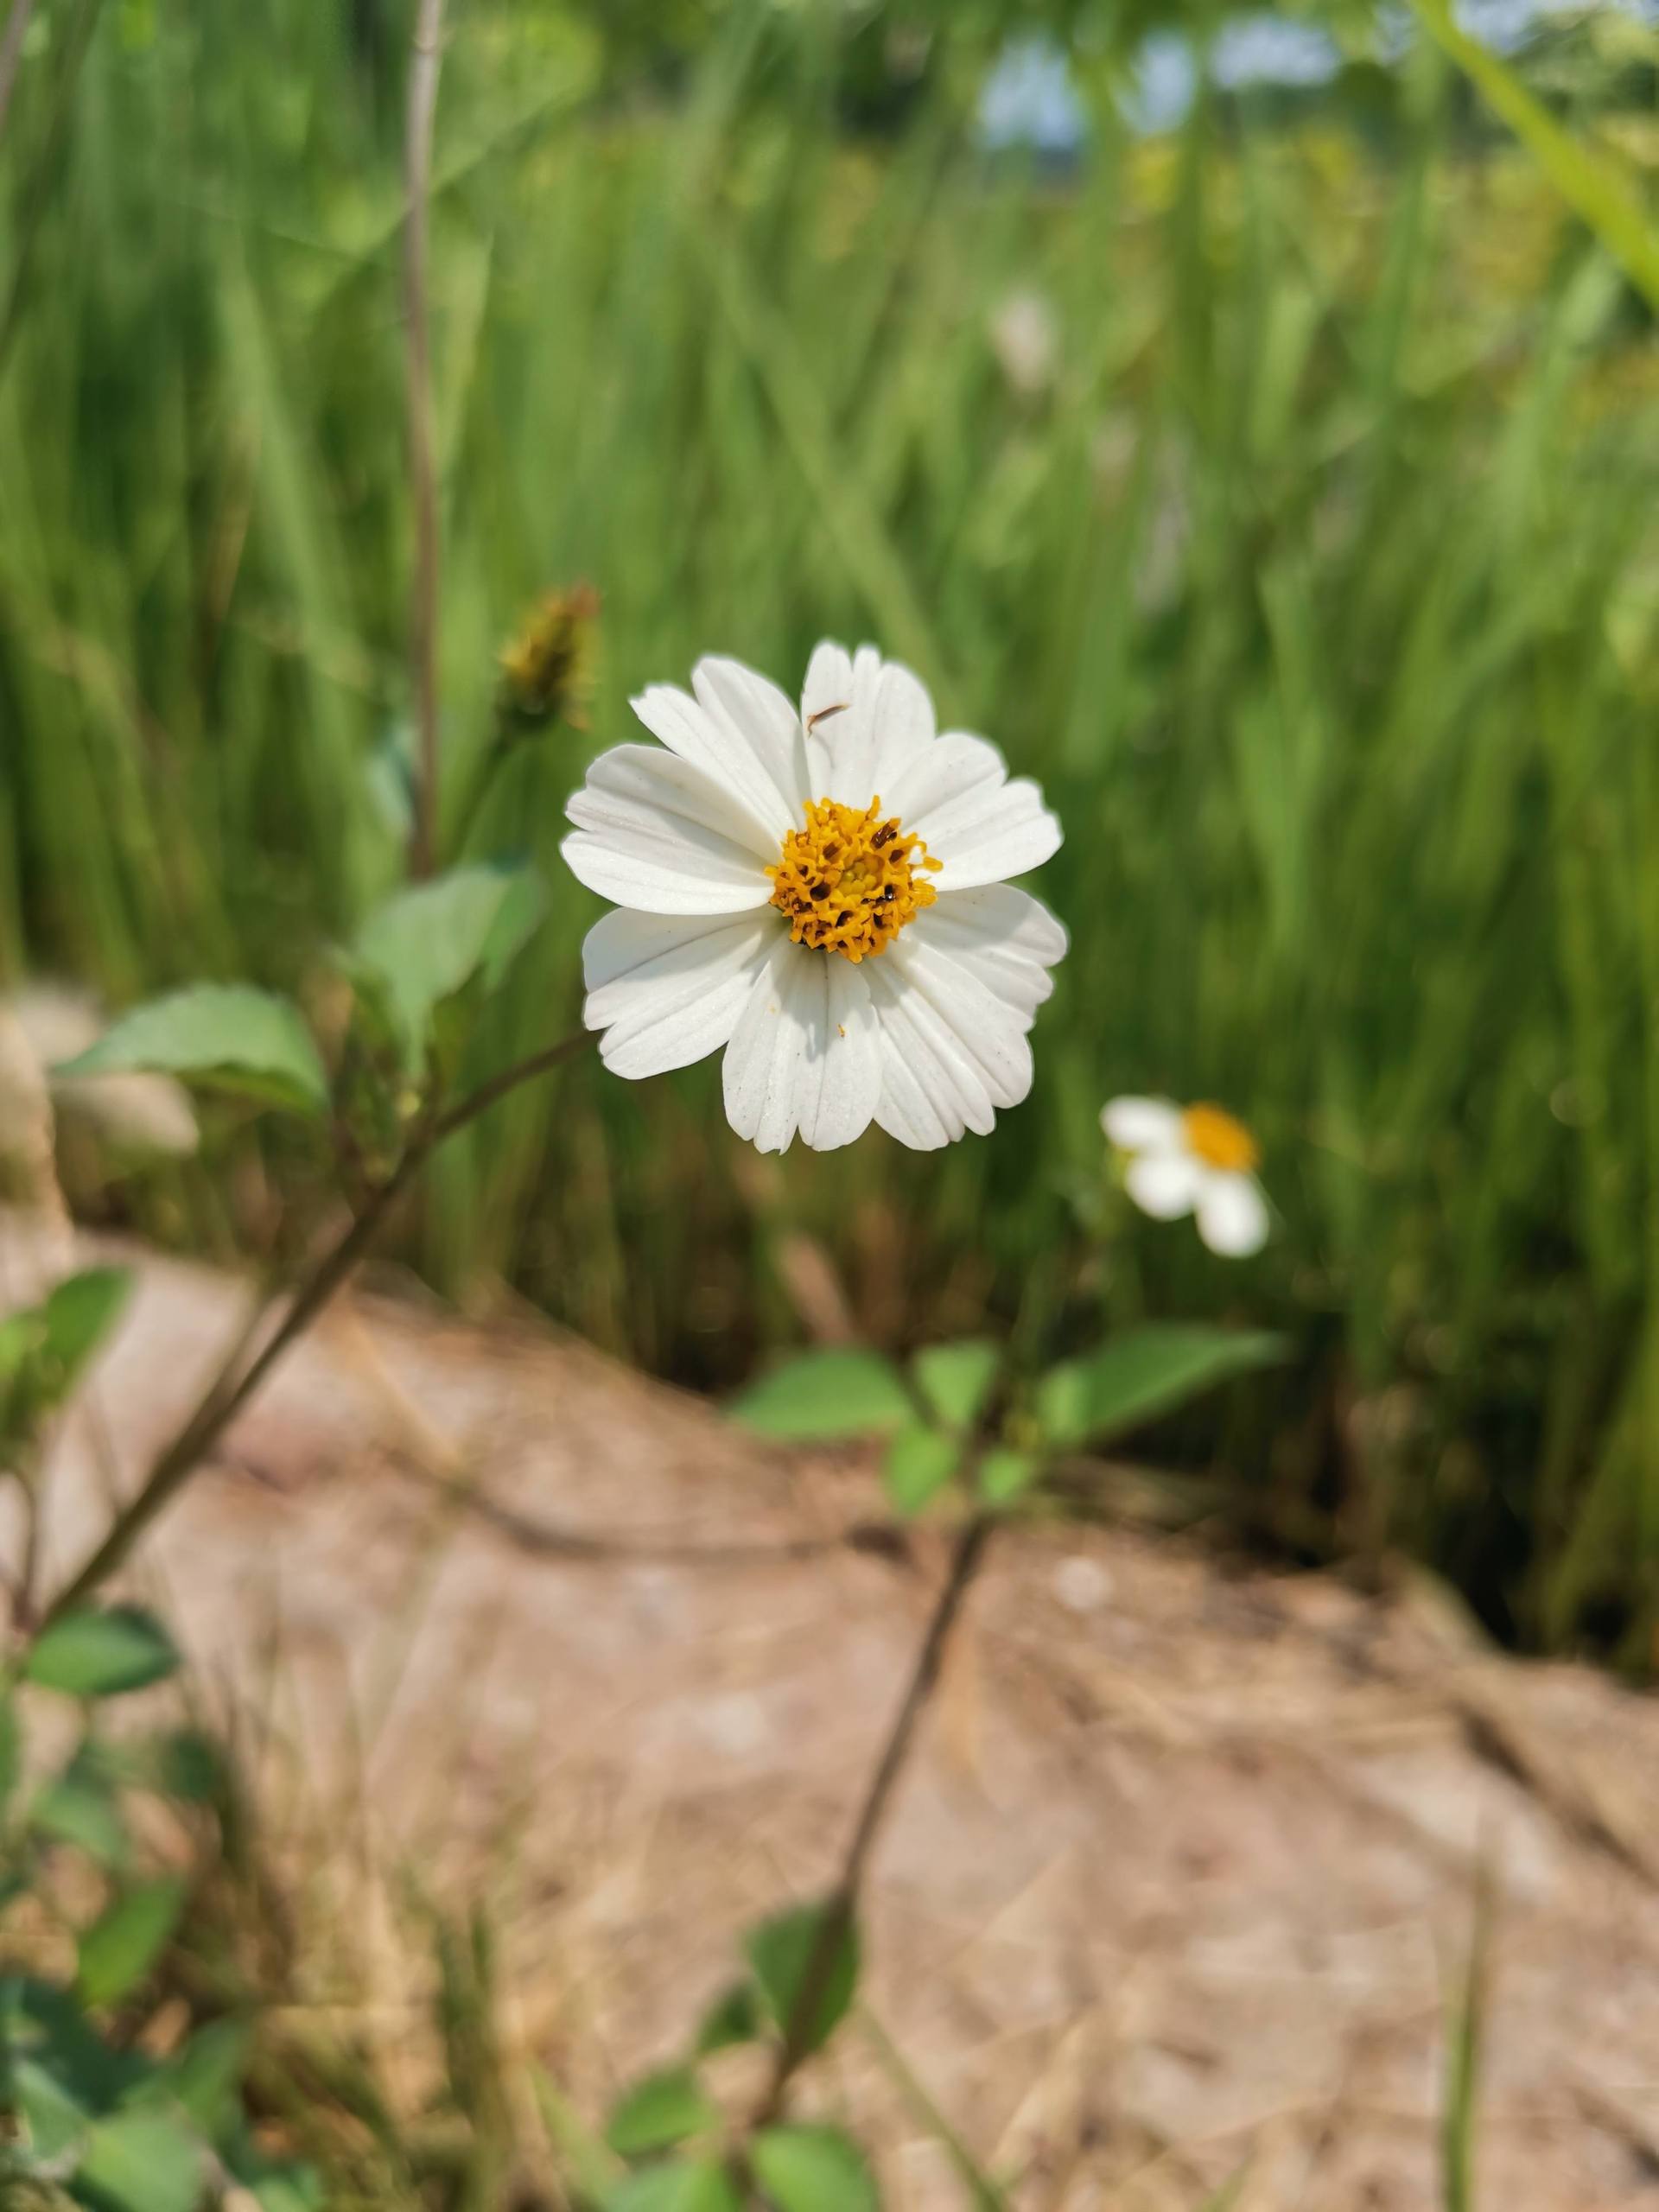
1195, 1159
821, 895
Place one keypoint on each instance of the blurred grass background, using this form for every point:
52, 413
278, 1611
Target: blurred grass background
1310, 560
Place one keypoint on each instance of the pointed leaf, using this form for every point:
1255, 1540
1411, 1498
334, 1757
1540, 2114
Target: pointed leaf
677, 2185
733, 2017
919, 1462
105, 1653
143, 2162
1150, 1371
826, 1395
957, 1380
79, 1810
227, 1035
77, 1316
660, 2111
813, 2170
429, 942
124, 1943
782, 1953
1005, 1475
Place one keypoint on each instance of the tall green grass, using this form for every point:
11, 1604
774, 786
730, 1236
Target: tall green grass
1318, 587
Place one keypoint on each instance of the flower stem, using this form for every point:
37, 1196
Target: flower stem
235, 1384
838, 1913
424, 610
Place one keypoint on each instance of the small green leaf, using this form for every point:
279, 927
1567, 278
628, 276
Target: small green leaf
55, 2121
826, 1395
660, 2111
781, 1953
1150, 1371
102, 1654
77, 1318
143, 2162
733, 2017
677, 2185
204, 2079
813, 2170
77, 1809
429, 942
125, 1941
957, 1380
1004, 1474
919, 1462
227, 1035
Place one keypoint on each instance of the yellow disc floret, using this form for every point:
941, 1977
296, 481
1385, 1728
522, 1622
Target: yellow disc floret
849, 882
1219, 1140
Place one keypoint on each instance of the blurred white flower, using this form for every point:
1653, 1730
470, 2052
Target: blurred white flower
1025, 339
135, 1113
821, 895
1196, 1159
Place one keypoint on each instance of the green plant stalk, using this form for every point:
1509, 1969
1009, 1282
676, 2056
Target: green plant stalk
1589, 188
423, 467
838, 1917
230, 1391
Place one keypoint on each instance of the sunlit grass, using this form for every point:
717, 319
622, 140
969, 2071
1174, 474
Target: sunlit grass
1318, 588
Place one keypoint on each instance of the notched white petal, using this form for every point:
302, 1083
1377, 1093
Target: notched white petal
1143, 1124
1232, 1215
668, 990
1165, 1184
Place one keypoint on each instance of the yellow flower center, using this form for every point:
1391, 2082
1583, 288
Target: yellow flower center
1219, 1140
849, 882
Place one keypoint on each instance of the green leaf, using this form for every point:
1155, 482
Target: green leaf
1149, 1371
677, 2185
79, 1810
918, 1464
125, 1941
733, 2017
593, 2166
957, 1380
143, 2162
659, 2112
813, 2170
204, 2079
1005, 1475
227, 1035
780, 1953
104, 1653
429, 942
53, 2118
827, 1395
77, 1316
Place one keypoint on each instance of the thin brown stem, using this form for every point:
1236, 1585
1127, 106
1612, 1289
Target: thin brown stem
424, 610
838, 1913
235, 1383
11, 54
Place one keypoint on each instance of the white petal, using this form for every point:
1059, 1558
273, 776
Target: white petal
654, 832
931, 1089
989, 1031
732, 756
1232, 1215
1165, 1184
838, 712
1144, 1124
756, 714
667, 990
955, 794
804, 1054
939, 783
1007, 938
904, 725
851, 1060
